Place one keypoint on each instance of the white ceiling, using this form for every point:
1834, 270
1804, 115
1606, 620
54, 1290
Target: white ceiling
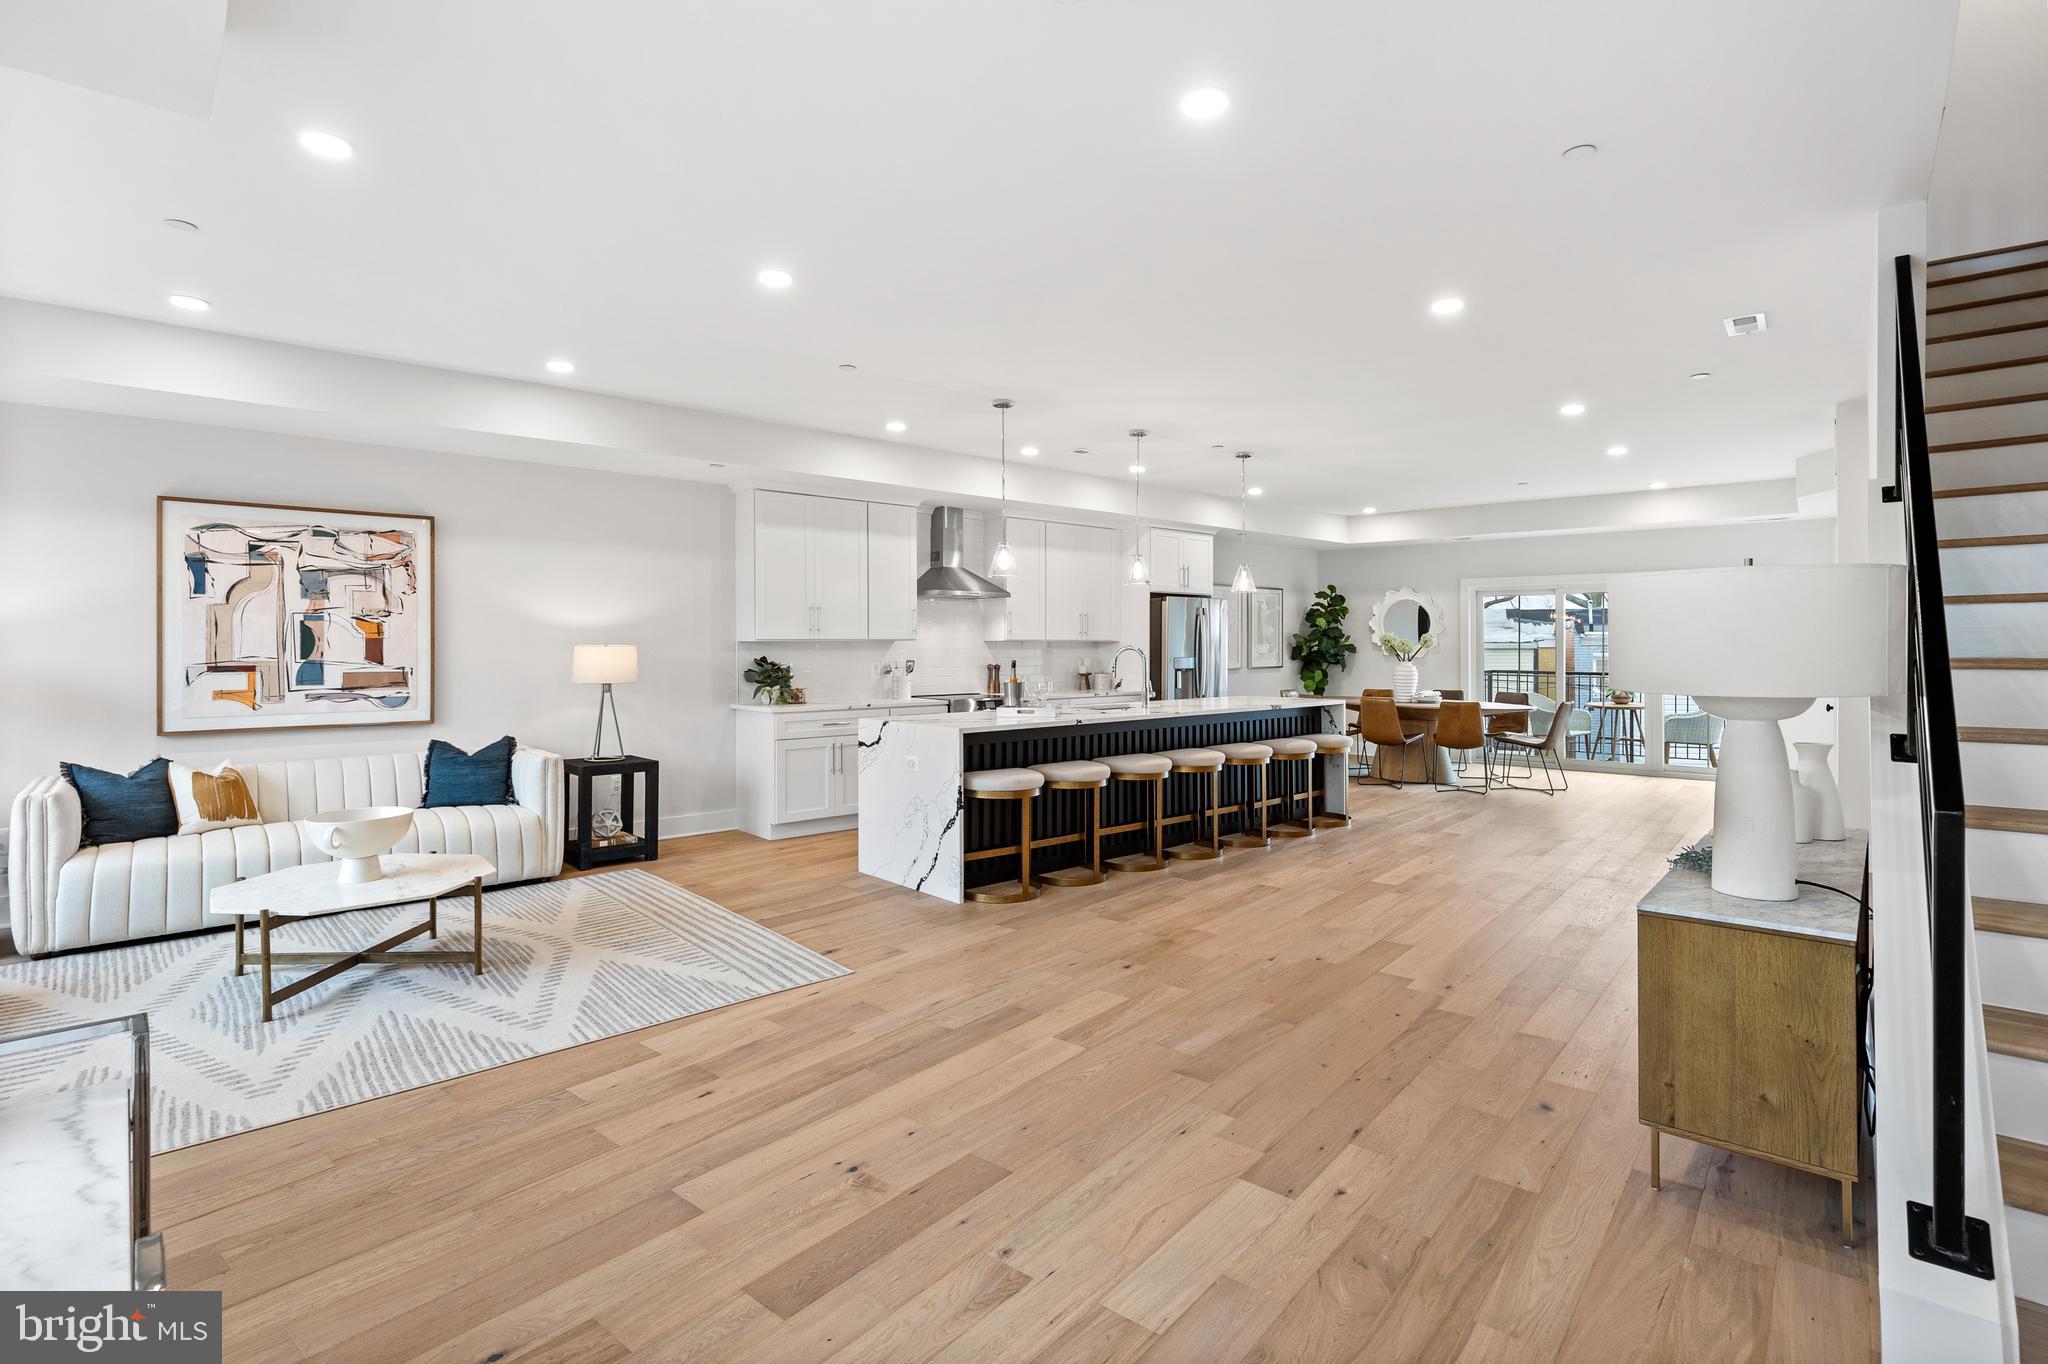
1001, 199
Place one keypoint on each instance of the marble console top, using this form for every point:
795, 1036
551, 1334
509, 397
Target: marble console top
316, 888
989, 722
1820, 914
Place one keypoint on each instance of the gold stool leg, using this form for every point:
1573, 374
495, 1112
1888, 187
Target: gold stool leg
1289, 826
1147, 861
1325, 819
1017, 891
1197, 848
1088, 873
1243, 837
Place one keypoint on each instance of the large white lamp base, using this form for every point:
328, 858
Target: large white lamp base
1754, 856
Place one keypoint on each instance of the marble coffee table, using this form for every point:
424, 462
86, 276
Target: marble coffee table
316, 889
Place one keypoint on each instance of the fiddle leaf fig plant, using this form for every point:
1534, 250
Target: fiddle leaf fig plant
1322, 647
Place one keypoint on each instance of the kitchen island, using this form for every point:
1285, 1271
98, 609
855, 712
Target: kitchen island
917, 830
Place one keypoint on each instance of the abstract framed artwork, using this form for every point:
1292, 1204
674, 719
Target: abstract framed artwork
277, 617
1265, 635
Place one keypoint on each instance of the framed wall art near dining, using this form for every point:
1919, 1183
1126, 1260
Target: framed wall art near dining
282, 617
1265, 629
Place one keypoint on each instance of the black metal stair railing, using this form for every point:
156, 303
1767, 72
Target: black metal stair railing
1940, 1232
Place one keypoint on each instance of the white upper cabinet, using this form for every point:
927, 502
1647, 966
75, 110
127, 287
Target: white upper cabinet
1102, 614
1022, 614
1066, 587
892, 571
1182, 561
1066, 582
803, 566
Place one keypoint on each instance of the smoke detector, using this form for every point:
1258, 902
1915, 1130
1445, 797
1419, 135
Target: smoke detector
1748, 324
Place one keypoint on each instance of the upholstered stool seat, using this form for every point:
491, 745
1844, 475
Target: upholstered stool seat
1089, 777
1328, 746
1019, 784
1151, 769
1296, 751
1199, 762
1248, 756
1005, 779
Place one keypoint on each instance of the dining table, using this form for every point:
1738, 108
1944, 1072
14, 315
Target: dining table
1420, 717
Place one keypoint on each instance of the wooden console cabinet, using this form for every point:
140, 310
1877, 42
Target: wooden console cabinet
1748, 1018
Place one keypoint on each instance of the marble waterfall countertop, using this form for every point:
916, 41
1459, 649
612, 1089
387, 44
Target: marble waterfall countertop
1062, 717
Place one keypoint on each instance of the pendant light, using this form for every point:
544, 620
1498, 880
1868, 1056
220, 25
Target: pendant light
1136, 571
1241, 581
1003, 563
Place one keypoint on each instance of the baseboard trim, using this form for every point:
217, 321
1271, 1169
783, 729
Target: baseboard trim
700, 822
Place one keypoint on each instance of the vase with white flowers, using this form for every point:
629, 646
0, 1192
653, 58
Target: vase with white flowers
1404, 652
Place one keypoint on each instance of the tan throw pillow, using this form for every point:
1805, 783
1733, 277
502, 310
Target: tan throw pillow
219, 799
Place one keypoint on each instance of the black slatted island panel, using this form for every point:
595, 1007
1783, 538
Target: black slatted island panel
993, 823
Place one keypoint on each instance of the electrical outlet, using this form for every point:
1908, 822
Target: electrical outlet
910, 762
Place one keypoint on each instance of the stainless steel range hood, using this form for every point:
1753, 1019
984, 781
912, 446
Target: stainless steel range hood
947, 577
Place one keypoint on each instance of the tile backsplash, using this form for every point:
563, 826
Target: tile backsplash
950, 653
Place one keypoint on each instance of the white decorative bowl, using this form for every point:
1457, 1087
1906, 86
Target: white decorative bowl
354, 838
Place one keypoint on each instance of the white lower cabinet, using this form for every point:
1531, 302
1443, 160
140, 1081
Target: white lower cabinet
807, 784
798, 771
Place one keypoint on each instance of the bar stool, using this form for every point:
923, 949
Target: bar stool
1327, 746
1078, 776
1292, 752
1197, 761
1007, 783
1248, 756
1150, 769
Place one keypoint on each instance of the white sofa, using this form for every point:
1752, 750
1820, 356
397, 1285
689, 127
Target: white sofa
62, 896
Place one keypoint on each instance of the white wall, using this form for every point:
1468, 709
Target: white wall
1990, 182
1438, 569
1292, 569
531, 559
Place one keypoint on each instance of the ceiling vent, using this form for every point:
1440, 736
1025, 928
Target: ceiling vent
1749, 324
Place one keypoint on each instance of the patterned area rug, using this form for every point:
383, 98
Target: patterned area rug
564, 962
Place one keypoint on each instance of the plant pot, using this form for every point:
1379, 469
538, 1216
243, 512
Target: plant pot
1407, 681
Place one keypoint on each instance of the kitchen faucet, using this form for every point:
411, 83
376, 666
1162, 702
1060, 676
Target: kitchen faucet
1143, 662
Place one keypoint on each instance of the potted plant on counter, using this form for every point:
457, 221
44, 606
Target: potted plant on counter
772, 680
1322, 647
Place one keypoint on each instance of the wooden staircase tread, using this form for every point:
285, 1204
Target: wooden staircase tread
1986, 541
1971, 403
1995, 598
1988, 274
1988, 251
2011, 819
1953, 370
1998, 734
2033, 1331
2023, 1170
1982, 332
2023, 297
2019, 918
1997, 664
1994, 489
2015, 1032
1994, 443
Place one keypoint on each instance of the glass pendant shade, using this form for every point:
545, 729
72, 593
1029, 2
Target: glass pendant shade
1241, 581
1003, 563
1138, 572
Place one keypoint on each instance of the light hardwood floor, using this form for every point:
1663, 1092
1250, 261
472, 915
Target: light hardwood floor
1370, 1097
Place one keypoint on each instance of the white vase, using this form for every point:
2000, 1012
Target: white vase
1816, 776
1407, 681
1805, 810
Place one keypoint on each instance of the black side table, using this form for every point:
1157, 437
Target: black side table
579, 850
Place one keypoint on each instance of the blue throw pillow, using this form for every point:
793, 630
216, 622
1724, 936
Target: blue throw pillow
480, 778
122, 809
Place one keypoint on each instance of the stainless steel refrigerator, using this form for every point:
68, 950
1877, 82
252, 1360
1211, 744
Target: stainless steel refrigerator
1187, 647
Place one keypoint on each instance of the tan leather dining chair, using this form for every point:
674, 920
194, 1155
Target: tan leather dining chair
1549, 750
1379, 722
1356, 708
1460, 728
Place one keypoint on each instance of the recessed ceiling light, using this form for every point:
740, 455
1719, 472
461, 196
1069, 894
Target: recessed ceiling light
1255, 492
187, 303
775, 279
1205, 103
1702, 374
1659, 486
1572, 410
1617, 451
1029, 451
1137, 468
1368, 511
326, 146
181, 225
561, 366
1448, 307
894, 426
1581, 151
1080, 452
849, 367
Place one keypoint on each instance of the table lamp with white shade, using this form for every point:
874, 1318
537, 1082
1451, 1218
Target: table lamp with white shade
604, 665
1755, 646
